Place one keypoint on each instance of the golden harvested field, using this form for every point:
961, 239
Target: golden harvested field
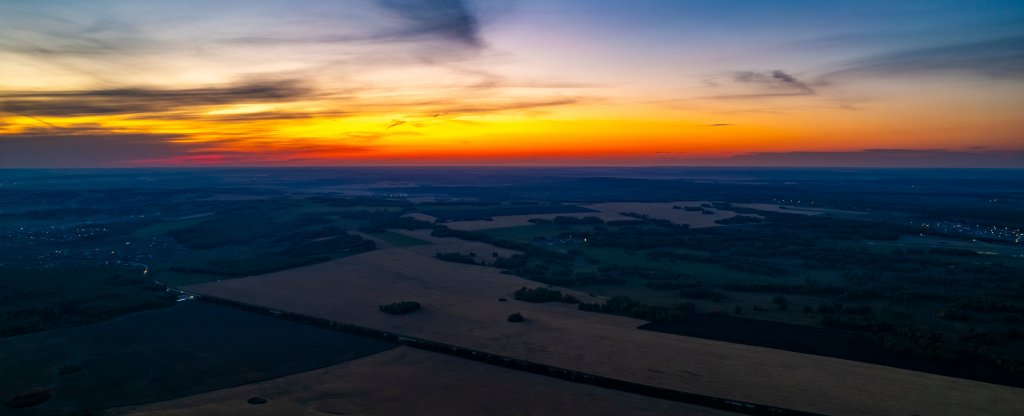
664, 211
460, 306
406, 381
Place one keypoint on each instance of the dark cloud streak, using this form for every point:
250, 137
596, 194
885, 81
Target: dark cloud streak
768, 84
61, 150
448, 19
145, 100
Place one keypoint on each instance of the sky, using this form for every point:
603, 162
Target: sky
139, 83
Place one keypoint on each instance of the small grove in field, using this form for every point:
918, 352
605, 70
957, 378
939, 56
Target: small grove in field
401, 308
541, 294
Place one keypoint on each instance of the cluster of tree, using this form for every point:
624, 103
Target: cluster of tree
826, 226
972, 348
312, 234
679, 256
329, 246
87, 294
513, 262
637, 272
530, 250
953, 252
535, 263
674, 284
853, 322
796, 289
456, 257
781, 302
703, 293
635, 235
541, 295
400, 308
598, 278
858, 318
839, 308
739, 219
626, 306
480, 212
739, 263
563, 220
362, 202
384, 221
953, 315
751, 266
991, 304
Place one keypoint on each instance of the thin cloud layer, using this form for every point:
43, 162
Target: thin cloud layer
886, 158
996, 58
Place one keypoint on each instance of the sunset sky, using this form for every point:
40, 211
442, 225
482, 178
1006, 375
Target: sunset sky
137, 83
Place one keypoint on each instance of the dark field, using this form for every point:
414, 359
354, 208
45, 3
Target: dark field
42, 298
159, 355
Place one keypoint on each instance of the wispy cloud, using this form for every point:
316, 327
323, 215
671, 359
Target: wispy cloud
996, 58
453, 109
762, 84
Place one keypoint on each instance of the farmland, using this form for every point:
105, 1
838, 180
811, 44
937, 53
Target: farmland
462, 307
757, 291
405, 381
